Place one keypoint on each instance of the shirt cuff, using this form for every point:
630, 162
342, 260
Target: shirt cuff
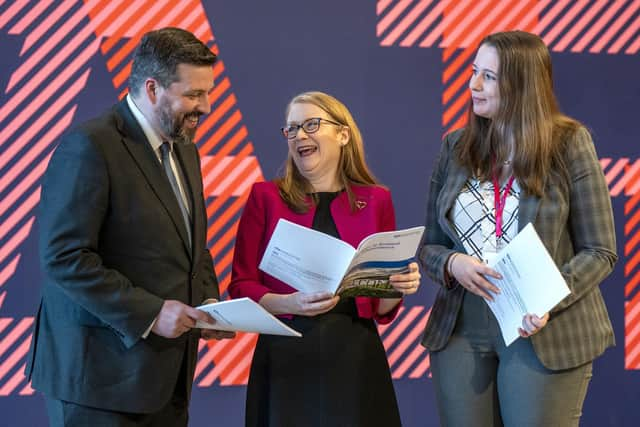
148, 331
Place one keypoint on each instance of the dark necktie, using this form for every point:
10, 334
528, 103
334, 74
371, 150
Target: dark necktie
165, 149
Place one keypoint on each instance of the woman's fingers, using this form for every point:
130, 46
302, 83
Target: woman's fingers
407, 283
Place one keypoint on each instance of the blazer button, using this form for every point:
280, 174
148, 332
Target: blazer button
194, 275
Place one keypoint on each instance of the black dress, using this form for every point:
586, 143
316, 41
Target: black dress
337, 374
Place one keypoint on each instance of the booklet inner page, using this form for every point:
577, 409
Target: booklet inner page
306, 259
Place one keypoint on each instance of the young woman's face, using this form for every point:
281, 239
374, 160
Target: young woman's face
484, 82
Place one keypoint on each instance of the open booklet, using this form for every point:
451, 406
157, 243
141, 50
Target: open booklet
311, 261
244, 314
531, 282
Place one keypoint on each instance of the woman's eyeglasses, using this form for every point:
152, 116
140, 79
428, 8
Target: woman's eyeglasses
308, 126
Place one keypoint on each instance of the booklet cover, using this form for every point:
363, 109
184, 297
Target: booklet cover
246, 315
311, 261
531, 282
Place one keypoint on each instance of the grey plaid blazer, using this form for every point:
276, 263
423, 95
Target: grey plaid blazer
574, 221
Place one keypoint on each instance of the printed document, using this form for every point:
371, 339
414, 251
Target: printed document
531, 282
312, 261
244, 314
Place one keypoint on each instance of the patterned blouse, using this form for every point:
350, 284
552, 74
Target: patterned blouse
474, 218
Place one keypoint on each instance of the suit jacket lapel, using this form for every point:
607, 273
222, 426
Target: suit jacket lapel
136, 143
453, 184
527, 209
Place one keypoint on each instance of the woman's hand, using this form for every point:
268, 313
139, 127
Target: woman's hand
310, 304
470, 273
407, 283
531, 324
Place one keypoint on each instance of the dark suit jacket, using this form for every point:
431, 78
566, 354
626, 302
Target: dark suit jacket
261, 214
113, 246
575, 223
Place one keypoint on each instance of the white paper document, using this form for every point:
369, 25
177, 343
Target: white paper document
531, 282
244, 314
311, 261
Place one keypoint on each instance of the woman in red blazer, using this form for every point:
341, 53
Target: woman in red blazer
337, 373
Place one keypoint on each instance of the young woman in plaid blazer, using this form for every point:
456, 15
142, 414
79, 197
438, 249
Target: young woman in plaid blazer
519, 160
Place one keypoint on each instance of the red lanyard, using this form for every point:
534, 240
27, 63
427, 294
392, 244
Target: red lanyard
500, 200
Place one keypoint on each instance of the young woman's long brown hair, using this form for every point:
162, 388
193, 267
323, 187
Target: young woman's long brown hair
527, 116
352, 167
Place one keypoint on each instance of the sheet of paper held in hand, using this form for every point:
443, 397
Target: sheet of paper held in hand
311, 261
531, 282
244, 314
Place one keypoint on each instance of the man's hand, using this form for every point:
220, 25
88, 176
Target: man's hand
176, 318
213, 334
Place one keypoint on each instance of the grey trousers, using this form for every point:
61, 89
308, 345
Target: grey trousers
480, 382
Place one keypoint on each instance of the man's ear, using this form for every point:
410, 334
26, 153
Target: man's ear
151, 89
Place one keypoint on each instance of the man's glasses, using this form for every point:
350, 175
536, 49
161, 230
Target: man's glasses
308, 126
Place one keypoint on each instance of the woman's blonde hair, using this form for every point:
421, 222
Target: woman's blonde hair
527, 115
295, 189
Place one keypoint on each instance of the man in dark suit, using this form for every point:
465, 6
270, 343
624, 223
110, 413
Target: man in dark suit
123, 249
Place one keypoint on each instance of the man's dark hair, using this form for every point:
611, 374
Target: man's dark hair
159, 53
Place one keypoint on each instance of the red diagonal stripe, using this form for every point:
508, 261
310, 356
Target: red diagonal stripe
35, 150
631, 284
227, 357
451, 14
16, 333
499, 21
406, 22
579, 26
221, 132
631, 30
550, 16
134, 15
615, 27
408, 361
400, 327
10, 363
30, 17
7, 272
425, 23
15, 241
631, 203
53, 44
631, 174
421, 368
216, 115
19, 214
410, 338
564, 22
50, 22
475, 17
147, 22
393, 14
597, 26
382, 5
631, 223
456, 107
631, 244
12, 11
235, 161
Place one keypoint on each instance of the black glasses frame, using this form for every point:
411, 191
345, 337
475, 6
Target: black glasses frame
291, 131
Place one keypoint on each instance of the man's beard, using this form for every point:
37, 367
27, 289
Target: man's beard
173, 125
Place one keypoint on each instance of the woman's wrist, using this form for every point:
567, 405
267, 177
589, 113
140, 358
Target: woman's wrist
450, 260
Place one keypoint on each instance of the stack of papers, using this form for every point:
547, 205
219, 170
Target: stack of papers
244, 314
531, 282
